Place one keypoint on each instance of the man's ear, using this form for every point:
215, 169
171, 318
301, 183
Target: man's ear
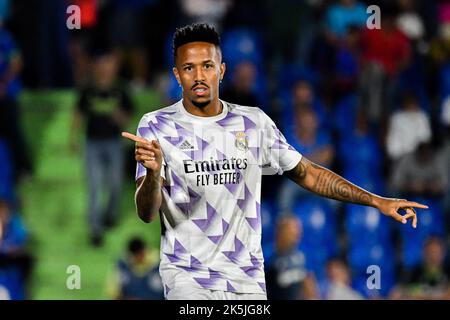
176, 74
223, 67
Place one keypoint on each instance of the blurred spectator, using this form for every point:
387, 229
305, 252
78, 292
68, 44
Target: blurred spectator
240, 91
311, 142
287, 277
50, 58
315, 144
408, 127
249, 13
82, 39
206, 11
359, 151
409, 21
421, 173
136, 275
337, 286
440, 45
385, 53
10, 87
431, 279
301, 96
291, 29
347, 63
342, 15
127, 32
15, 260
106, 107
4, 9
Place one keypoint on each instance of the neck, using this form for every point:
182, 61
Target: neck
210, 110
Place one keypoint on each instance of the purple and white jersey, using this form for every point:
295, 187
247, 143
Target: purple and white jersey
212, 168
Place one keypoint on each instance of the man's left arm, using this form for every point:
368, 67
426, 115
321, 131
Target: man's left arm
324, 182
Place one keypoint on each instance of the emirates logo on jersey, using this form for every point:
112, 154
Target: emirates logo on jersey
241, 141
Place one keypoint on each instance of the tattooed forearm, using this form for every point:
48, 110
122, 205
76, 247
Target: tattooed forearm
331, 185
326, 183
148, 197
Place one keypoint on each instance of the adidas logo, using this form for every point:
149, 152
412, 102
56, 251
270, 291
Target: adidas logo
186, 145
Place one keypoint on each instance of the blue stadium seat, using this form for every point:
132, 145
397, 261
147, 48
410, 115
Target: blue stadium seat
319, 240
168, 50
430, 222
345, 114
242, 44
268, 223
361, 255
412, 80
173, 91
289, 74
360, 154
366, 226
371, 180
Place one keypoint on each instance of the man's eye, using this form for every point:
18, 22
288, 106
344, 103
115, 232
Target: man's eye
207, 66
187, 68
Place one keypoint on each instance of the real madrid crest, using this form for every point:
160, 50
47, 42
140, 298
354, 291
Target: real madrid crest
241, 141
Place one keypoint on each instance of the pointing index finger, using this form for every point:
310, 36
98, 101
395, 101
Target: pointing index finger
133, 137
413, 204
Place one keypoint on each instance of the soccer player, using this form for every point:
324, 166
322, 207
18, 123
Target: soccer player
200, 163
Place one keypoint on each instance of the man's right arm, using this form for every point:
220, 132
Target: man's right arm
148, 197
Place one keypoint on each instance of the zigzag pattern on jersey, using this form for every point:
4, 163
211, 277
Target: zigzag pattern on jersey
175, 134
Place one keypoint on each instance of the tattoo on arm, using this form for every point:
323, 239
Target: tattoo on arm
326, 183
331, 185
299, 172
148, 197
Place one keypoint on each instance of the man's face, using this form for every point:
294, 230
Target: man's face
199, 68
288, 233
434, 253
105, 68
303, 93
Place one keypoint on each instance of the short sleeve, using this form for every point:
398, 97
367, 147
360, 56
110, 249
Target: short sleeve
145, 130
278, 155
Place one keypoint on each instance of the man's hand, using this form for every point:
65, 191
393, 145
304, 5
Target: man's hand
326, 183
390, 207
148, 153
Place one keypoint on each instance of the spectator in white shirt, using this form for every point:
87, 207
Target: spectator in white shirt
408, 127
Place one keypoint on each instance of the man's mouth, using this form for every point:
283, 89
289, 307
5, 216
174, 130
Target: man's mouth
200, 90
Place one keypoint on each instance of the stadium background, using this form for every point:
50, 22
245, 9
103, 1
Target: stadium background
270, 47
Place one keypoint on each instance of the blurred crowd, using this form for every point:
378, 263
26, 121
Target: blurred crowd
371, 104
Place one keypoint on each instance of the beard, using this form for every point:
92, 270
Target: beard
200, 105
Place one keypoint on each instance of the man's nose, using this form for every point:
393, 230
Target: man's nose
199, 75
